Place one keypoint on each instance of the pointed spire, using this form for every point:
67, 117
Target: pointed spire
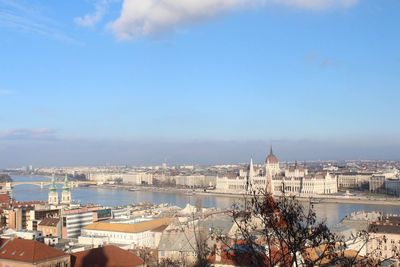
270, 151
53, 186
251, 168
66, 183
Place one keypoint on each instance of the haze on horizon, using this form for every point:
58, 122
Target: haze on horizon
215, 81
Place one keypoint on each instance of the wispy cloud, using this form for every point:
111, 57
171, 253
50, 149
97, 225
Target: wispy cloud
28, 134
92, 19
146, 17
23, 16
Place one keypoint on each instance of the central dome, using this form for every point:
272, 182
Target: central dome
271, 158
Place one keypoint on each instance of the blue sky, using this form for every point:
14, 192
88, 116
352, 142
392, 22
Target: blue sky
198, 81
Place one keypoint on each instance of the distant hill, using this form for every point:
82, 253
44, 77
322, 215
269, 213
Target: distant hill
5, 178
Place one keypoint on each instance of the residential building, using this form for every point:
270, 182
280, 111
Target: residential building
17, 216
195, 181
50, 227
179, 245
20, 253
137, 178
384, 238
38, 214
73, 220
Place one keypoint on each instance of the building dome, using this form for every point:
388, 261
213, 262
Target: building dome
271, 158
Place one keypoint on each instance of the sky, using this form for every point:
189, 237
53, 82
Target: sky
141, 82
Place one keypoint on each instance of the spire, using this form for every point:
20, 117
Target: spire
53, 195
66, 192
270, 151
66, 183
251, 168
53, 186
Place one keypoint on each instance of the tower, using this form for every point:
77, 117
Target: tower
53, 195
66, 192
271, 169
271, 164
250, 175
251, 169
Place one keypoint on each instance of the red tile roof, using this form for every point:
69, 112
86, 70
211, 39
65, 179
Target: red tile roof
4, 198
106, 256
3, 241
28, 251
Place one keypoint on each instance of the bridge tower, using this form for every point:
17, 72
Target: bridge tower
66, 192
53, 195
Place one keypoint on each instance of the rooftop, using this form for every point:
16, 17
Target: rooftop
104, 257
28, 251
49, 222
129, 228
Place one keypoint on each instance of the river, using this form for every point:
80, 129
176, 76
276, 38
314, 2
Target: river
332, 212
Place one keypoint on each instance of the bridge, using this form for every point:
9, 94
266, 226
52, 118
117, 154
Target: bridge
42, 184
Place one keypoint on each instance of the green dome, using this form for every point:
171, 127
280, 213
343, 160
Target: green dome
53, 187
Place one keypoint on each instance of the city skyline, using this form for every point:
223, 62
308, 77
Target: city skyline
111, 81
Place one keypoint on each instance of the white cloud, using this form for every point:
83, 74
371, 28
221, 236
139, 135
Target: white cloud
92, 19
146, 17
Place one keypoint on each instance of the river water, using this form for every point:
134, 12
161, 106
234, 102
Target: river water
332, 212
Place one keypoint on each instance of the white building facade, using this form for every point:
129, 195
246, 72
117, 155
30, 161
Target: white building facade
74, 220
141, 234
137, 178
294, 180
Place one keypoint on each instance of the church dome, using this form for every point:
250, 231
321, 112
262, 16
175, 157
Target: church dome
271, 158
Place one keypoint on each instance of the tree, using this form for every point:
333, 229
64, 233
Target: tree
285, 232
169, 263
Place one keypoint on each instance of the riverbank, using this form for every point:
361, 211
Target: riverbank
316, 200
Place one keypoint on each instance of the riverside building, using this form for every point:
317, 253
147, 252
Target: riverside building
294, 180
